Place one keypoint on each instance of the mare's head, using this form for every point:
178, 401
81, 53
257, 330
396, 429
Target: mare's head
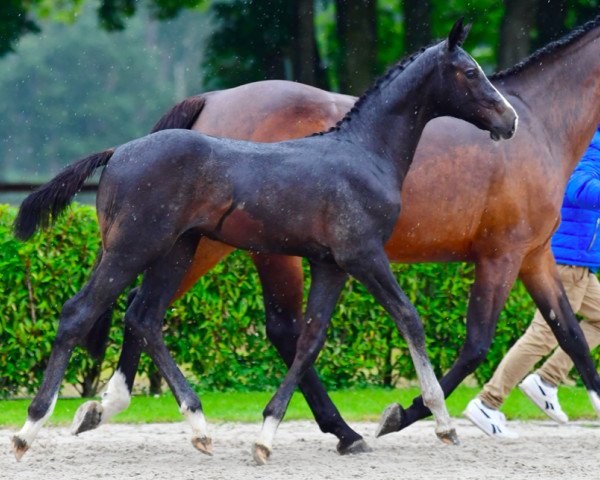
466, 93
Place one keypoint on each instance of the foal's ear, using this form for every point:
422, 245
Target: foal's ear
458, 34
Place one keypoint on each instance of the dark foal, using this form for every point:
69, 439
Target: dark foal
332, 198
514, 190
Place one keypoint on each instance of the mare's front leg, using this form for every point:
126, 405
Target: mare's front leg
372, 269
117, 396
494, 278
542, 280
282, 280
111, 276
327, 281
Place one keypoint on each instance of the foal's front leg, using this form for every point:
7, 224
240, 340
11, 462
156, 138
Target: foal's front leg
372, 269
327, 281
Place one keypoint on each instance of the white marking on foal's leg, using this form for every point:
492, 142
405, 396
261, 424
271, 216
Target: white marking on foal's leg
595, 399
92, 414
200, 437
116, 398
262, 448
24, 438
433, 397
267, 433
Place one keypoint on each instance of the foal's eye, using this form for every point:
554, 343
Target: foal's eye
471, 73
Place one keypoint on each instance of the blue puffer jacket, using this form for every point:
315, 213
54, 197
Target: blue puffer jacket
577, 240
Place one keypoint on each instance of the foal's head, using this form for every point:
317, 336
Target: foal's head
465, 91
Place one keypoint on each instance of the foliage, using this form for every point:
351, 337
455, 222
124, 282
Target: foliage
216, 332
74, 90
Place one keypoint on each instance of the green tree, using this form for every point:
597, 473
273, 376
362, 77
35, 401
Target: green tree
73, 89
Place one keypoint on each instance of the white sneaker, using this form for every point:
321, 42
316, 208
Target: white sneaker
544, 396
489, 420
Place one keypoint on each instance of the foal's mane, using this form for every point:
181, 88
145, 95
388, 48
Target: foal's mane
389, 75
549, 49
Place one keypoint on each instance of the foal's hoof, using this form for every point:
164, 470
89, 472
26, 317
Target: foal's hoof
204, 444
358, 446
87, 417
19, 447
390, 421
260, 453
449, 438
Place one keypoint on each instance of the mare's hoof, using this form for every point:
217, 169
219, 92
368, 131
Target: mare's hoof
358, 446
260, 453
19, 447
204, 444
449, 438
390, 421
87, 417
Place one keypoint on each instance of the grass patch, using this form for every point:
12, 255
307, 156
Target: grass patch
355, 405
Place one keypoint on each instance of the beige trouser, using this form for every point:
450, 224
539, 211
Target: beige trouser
583, 292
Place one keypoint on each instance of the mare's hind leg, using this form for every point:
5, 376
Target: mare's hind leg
494, 278
112, 275
283, 288
372, 269
145, 318
326, 285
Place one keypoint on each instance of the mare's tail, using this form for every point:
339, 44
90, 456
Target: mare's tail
42, 207
183, 115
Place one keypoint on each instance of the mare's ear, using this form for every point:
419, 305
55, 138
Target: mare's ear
458, 34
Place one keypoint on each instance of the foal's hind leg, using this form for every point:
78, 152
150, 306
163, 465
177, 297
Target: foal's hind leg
116, 398
372, 269
145, 318
283, 288
327, 282
113, 274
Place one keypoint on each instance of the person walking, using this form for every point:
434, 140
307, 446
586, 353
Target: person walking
576, 247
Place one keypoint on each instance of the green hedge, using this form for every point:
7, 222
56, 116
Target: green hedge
216, 332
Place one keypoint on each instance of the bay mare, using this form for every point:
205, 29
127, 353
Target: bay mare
332, 198
496, 205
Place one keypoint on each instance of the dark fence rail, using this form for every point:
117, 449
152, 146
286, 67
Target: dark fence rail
29, 187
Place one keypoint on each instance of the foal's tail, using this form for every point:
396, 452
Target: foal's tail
42, 207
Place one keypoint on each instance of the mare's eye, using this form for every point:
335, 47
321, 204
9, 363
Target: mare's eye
471, 73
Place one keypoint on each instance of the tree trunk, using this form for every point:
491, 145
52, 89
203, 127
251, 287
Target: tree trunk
91, 379
551, 15
357, 33
155, 381
417, 28
303, 43
515, 43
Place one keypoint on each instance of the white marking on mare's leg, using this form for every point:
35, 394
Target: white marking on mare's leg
116, 398
595, 399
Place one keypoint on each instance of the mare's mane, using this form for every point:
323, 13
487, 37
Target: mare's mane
547, 50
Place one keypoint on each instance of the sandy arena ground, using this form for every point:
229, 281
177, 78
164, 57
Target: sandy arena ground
163, 451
